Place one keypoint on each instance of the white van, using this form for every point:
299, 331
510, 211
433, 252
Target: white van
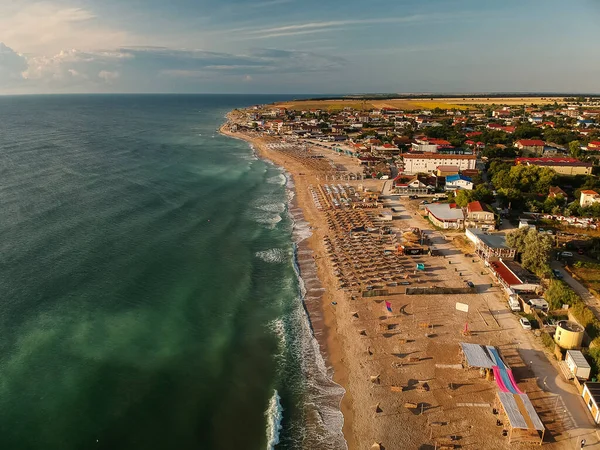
538, 303
514, 304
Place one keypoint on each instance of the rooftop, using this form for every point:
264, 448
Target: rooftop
443, 211
531, 142
578, 358
570, 326
475, 207
436, 156
494, 241
505, 273
594, 389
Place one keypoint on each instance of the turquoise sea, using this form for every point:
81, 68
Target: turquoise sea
149, 288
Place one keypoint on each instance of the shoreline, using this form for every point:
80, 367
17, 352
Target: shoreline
326, 332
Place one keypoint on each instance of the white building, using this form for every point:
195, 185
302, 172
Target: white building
428, 163
455, 182
588, 198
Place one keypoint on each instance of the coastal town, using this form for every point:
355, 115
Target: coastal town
458, 243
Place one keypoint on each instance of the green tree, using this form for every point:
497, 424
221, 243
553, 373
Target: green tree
575, 149
535, 249
464, 197
560, 293
516, 239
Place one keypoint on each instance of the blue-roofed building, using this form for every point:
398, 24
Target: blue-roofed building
455, 182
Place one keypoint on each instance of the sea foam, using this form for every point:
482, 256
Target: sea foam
274, 415
273, 255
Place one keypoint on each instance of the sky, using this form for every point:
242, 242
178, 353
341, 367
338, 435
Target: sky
299, 46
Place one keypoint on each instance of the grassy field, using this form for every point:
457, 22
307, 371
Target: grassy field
413, 104
588, 274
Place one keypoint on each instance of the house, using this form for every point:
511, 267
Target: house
427, 163
594, 145
446, 216
423, 145
479, 216
429, 145
584, 123
555, 192
385, 149
502, 113
491, 247
530, 146
444, 171
563, 166
455, 182
411, 185
588, 197
591, 397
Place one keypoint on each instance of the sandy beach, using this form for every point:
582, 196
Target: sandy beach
405, 384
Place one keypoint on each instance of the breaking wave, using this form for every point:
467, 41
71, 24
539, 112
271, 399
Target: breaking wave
274, 415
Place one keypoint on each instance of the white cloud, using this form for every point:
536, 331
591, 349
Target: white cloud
11, 65
131, 67
108, 76
45, 28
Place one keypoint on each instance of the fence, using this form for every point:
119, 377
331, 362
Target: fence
439, 290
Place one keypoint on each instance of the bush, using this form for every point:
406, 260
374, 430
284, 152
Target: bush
593, 357
586, 318
548, 341
560, 293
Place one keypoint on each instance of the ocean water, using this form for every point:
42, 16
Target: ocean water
150, 295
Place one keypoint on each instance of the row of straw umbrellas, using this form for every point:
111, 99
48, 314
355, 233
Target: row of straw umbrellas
347, 220
361, 259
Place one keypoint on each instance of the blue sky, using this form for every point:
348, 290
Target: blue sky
299, 46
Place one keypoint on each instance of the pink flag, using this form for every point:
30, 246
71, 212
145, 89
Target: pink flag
388, 305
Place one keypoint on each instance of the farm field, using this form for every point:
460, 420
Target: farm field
414, 104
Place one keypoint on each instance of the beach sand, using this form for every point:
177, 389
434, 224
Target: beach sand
416, 345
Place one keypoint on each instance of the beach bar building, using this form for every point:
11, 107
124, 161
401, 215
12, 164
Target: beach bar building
491, 247
525, 425
591, 396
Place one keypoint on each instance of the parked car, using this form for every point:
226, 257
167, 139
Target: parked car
526, 324
557, 274
580, 251
566, 254
413, 197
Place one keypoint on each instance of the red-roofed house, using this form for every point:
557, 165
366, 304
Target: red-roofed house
531, 146
479, 216
497, 127
555, 191
594, 145
473, 134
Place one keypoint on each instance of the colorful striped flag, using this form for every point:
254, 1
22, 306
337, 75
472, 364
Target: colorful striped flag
388, 305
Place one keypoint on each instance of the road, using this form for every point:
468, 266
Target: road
592, 301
